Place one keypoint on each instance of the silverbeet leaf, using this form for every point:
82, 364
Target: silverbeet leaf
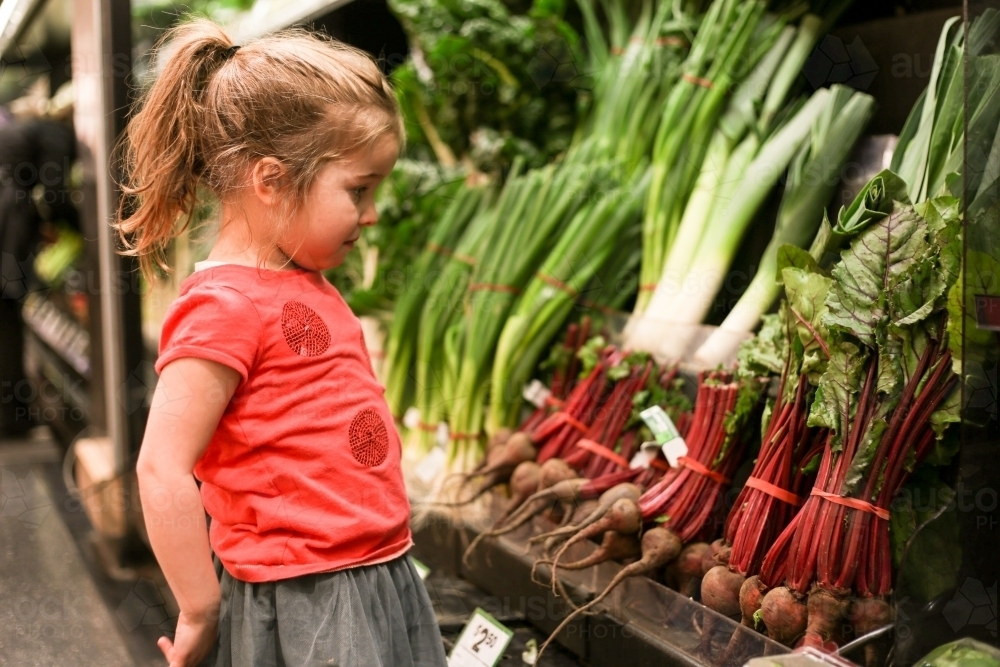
882, 276
837, 394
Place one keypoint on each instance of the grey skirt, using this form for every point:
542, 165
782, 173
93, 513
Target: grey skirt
372, 616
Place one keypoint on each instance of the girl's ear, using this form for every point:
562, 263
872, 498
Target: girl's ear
266, 176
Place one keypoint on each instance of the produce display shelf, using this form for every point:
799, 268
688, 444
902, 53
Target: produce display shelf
642, 622
60, 332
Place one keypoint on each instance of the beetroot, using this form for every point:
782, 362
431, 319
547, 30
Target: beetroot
659, 547
607, 499
501, 461
826, 615
784, 614
720, 590
867, 615
751, 597
623, 516
685, 570
564, 491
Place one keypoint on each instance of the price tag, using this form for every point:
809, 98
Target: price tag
536, 393
666, 433
431, 465
411, 418
481, 643
422, 570
645, 455
674, 450
987, 312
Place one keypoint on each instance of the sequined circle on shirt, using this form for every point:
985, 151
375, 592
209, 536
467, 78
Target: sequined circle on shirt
304, 330
369, 438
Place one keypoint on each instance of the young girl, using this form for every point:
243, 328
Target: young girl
266, 392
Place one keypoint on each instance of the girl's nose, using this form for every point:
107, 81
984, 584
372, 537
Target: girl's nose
369, 217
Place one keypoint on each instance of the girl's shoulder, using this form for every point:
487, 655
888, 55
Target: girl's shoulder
271, 293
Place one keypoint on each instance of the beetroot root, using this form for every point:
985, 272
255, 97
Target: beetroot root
868, 614
659, 547
555, 471
720, 590
751, 596
564, 491
826, 612
614, 546
623, 516
498, 467
685, 570
717, 554
784, 615
604, 503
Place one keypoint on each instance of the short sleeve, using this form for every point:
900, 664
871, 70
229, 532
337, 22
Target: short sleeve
211, 322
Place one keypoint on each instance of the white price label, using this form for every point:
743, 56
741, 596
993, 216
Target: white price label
422, 570
431, 465
411, 418
481, 643
536, 393
647, 452
666, 433
674, 450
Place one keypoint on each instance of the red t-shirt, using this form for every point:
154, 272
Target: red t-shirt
303, 472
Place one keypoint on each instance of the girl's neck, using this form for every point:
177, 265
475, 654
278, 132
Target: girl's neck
237, 244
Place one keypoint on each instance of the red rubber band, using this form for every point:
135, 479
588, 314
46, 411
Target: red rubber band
463, 436
774, 491
490, 287
554, 402
558, 284
671, 41
572, 421
853, 503
617, 50
602, 451
697, 80
660, 464
424, 426
465, 259
648, 287
439, 249
698, 467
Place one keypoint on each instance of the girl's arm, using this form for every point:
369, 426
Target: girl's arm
188, 402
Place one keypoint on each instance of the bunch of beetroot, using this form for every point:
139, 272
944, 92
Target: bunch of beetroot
669, 521
579, 447
885, 396
788, 346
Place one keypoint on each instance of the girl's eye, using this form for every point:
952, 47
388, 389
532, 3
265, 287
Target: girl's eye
357, 192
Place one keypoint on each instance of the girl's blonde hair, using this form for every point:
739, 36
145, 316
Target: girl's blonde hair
216, 109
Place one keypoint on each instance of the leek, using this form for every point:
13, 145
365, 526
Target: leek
810, 184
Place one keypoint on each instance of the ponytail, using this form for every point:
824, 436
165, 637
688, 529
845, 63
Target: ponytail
216, 108
163, 151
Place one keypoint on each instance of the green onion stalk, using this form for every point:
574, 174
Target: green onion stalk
547, 203
401, 340
585, 247
441, 309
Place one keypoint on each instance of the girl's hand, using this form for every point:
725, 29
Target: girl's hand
193, 639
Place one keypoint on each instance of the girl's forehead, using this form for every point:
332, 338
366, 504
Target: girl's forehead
378, 160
